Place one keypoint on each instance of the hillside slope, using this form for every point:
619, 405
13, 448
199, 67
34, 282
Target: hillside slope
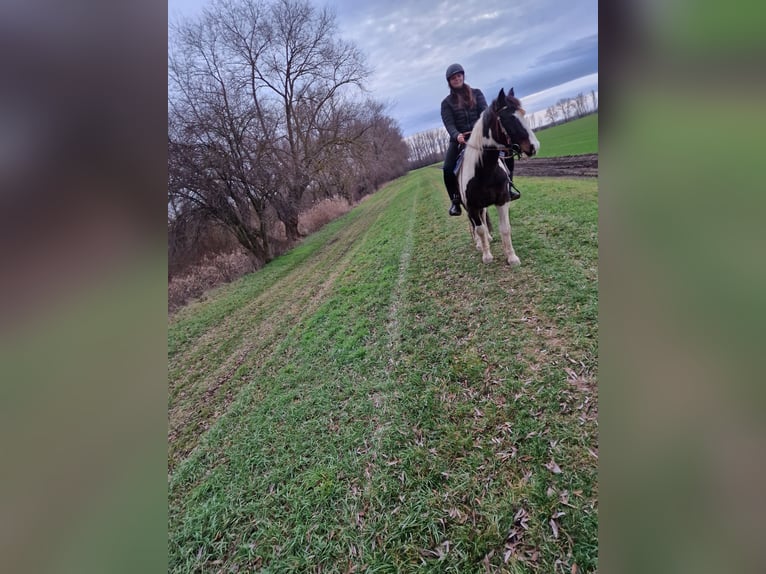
380, 400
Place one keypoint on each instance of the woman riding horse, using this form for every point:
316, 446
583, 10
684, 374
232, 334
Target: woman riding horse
460, 110
483, 178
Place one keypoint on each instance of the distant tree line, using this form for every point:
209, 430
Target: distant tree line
430, 146
427, 147
568, 109
265, 118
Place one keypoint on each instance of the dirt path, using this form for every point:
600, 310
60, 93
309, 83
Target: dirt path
564, 166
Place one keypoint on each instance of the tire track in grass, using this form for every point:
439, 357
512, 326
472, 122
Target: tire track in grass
278, 353
292, 274
281, 276
482, 405
392, 325
307, 377
199, 318
200, 404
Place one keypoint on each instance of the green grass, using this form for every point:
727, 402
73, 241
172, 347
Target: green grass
379, 400
572, 138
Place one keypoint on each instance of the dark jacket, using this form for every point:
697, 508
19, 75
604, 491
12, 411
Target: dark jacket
457, 120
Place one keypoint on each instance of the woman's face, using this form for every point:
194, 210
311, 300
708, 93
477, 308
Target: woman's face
456, 80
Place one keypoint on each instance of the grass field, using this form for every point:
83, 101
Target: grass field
572, 138
378, 400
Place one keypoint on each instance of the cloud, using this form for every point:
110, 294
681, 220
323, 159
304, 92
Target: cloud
532, 45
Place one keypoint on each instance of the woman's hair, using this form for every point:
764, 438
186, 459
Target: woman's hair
462, 98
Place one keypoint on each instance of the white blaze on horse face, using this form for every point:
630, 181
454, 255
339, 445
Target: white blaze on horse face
532, 137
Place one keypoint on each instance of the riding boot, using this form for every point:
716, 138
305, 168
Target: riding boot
454, 194
509, 163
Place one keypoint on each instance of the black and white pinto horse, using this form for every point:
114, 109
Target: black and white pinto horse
483, 176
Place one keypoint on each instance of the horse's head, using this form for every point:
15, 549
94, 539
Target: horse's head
513, 126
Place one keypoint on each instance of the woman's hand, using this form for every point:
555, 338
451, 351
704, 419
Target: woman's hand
460, 139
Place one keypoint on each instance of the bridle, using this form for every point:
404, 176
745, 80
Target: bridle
514, 149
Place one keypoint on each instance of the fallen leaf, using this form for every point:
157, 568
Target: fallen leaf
550, 492
553, 467
554, 527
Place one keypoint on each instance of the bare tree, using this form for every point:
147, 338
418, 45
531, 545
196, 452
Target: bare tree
263, 106
217, 133
550, 113
563, 107
427, 147
379, 155
579, 105
593, 98
308, 70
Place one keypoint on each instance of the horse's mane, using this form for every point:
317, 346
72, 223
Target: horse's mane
515, 103
473, 151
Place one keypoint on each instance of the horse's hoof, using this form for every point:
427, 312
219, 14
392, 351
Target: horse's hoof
514, 261
487, 258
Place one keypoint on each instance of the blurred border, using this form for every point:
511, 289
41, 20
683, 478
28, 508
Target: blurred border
83, 306
681, 286
82, 174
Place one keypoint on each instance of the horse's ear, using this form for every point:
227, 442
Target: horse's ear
510, 93
501, 97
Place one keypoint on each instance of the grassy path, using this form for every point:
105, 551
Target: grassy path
378, 400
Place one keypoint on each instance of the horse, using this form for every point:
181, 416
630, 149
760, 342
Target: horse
483, 177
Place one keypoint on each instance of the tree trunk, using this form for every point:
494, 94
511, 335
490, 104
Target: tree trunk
256, 244
287, 212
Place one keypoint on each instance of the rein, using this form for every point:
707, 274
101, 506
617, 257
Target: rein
514, 149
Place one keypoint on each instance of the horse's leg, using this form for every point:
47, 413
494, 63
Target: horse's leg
505, 234
486, 254
482, 242
474, 237
488, 224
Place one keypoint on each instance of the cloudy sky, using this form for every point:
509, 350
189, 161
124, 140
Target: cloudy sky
545, 49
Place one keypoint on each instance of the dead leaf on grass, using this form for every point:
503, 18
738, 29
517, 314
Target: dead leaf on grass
553, 467
520, 518
440, 552
554, 528
505, 455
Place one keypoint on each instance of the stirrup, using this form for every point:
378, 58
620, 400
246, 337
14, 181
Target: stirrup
455, 209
